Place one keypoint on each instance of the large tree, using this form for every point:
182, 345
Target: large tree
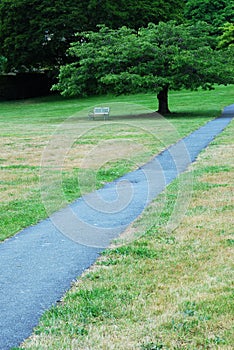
157, 58
37, 33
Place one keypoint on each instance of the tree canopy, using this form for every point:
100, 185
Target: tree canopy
35, 34
157, 58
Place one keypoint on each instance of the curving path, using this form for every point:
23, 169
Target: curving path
39, 264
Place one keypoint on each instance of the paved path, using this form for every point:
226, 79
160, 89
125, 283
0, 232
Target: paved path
39, 264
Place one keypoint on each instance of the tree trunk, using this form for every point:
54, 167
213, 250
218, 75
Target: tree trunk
163, 101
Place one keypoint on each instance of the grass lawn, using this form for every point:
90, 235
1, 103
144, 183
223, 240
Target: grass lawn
27, 129
165, 290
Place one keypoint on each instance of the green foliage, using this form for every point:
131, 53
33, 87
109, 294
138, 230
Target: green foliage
134, 13
213, 12
36, 34
156, 58
227, 38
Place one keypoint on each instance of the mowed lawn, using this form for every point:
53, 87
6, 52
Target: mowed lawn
165, 289
98, 150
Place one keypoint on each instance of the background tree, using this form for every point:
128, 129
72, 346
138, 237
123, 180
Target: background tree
157, 58
37, 33
213, 12
133, 13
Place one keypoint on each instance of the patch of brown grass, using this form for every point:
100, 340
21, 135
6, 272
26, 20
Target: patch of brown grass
181, 298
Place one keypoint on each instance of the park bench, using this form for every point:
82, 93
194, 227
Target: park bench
99, 111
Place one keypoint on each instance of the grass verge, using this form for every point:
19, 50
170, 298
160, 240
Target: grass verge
164, 290
27, 128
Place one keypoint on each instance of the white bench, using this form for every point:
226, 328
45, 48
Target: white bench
97, 111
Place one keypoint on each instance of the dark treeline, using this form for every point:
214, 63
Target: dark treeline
35, 35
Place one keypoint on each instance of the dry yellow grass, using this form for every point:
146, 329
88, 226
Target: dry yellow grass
83, 145
163, 291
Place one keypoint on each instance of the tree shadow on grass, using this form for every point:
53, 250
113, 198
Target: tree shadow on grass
155, 115
173, 115
194, 114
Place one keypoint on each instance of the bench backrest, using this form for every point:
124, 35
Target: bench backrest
101, 110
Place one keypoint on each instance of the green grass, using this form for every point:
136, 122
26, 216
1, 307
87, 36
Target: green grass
166, 289
28, 126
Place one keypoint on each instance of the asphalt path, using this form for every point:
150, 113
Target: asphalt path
39, 264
